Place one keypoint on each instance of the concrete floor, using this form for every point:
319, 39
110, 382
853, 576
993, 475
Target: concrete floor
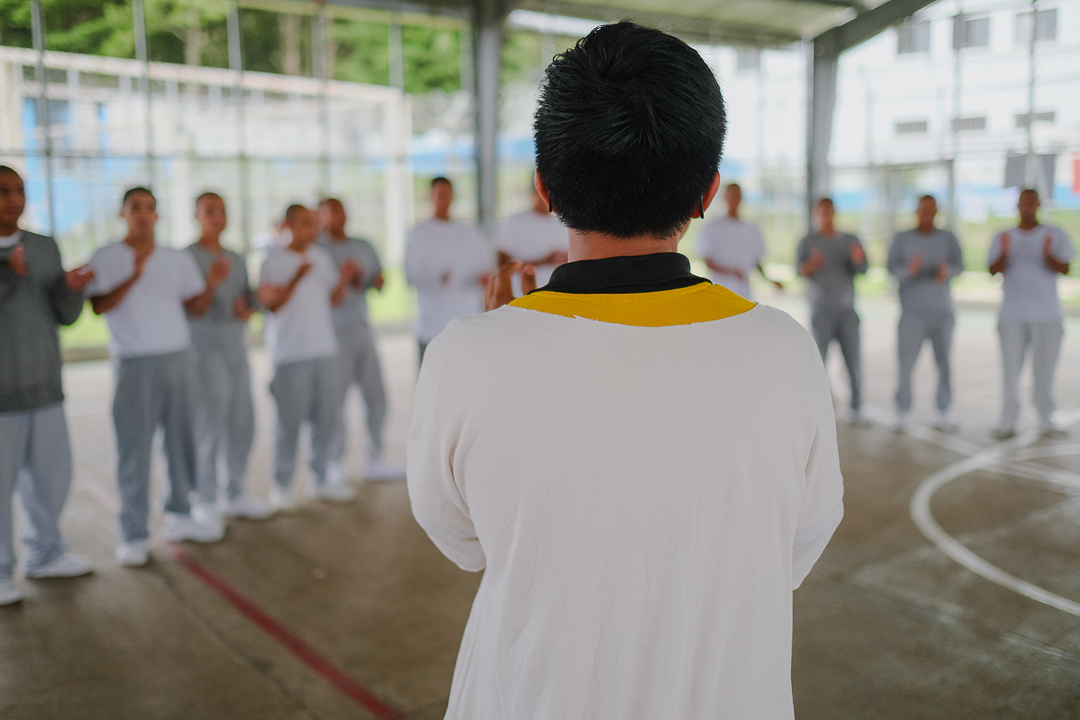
349, 612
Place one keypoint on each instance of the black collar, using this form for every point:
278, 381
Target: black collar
624, 274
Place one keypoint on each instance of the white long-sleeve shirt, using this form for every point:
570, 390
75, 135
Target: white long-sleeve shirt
644, 501
434, 248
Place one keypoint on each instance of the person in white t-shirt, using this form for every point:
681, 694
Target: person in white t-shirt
299, 284
642, 463
448, 263
1030, 257
534, 237
143, 290
733, 248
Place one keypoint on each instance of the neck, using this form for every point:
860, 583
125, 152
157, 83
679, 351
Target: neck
1028, 223
828, 230
337, 235
444, 216
597, 246
926, 227
138, 240
210, 242
8, 228
299, 247
733, 214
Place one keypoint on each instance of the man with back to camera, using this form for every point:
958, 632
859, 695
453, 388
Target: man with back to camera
448, 263
601, 447
358, 355
533, 237
223, 409
299, 284
1030, 257
36, 295
830, 260
144, 291
924, 260
733, 248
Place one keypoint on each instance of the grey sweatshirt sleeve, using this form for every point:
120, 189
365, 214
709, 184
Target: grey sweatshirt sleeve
955, 257
858, 268
9, 280
66, 305
897, 266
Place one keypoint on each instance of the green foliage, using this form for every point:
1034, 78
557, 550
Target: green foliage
432, 59
361, 51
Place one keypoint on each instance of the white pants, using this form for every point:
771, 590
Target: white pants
36, 454
1045, 341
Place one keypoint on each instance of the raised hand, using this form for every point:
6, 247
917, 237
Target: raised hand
218, 271
304, 269
242, 308
79, 278
942, 274
916, 265
1058, 266
351, 272
17, 260
858, 255
1006, 244
815, 262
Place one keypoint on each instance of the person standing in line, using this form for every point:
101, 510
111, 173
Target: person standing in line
298, 285
534, 237
924, 260
733, 248
830, 260
1030, 257
448, 263
358, 355
144, 291
36, 295
223, 409
641, 518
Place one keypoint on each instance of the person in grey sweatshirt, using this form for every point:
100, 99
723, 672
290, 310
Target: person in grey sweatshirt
830, 260
36, 296
924, 260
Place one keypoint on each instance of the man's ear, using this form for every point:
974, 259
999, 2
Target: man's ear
707, 198
538, 183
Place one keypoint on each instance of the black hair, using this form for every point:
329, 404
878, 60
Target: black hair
629, 132
135, 191
823, 200
737, 186
328, 200
290, 212
1030, 190
440, 179
207, 194
927, 197
9, 169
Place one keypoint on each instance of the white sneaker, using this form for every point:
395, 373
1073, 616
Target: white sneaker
943, 422
10, 592
1003, 433
335, 473
65, 566
281, 500
208, 514
1053, 432
178, 528
381, 470
133, 554
334, 492
247, 507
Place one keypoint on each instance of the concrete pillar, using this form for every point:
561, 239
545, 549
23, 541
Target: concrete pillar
821, 90
487, 51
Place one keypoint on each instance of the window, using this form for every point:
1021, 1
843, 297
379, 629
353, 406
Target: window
747, 58
912, 127
1047, 117
913, 37
970, 32
969, 123
1045, 26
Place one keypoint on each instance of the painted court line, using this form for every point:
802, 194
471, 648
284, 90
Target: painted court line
300, 649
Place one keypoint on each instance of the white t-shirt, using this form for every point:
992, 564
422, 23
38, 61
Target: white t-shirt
641, 547
12, 240
302, 328
1029, 287
528, 236
150, 320
432, 248
734, 244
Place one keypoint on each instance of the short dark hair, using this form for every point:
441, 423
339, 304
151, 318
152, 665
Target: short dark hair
1029, 190
9, 169
290, 212
135, 191
327, 200
440, 179
823, 200
629, 132
927, 197
207, 194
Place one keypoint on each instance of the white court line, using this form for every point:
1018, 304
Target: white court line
953, 548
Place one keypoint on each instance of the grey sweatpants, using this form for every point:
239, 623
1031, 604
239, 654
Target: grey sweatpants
34, 453
842, 325
358, 362
304, 390
1045, 342
224, 420
912, 332
152, 391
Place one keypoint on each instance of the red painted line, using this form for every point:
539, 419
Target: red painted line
303, 652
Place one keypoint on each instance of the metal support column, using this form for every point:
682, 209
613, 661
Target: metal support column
821, 99
44, 122
487, 51
236, 64
1031, 174
144, 85
395, 54
322, 72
